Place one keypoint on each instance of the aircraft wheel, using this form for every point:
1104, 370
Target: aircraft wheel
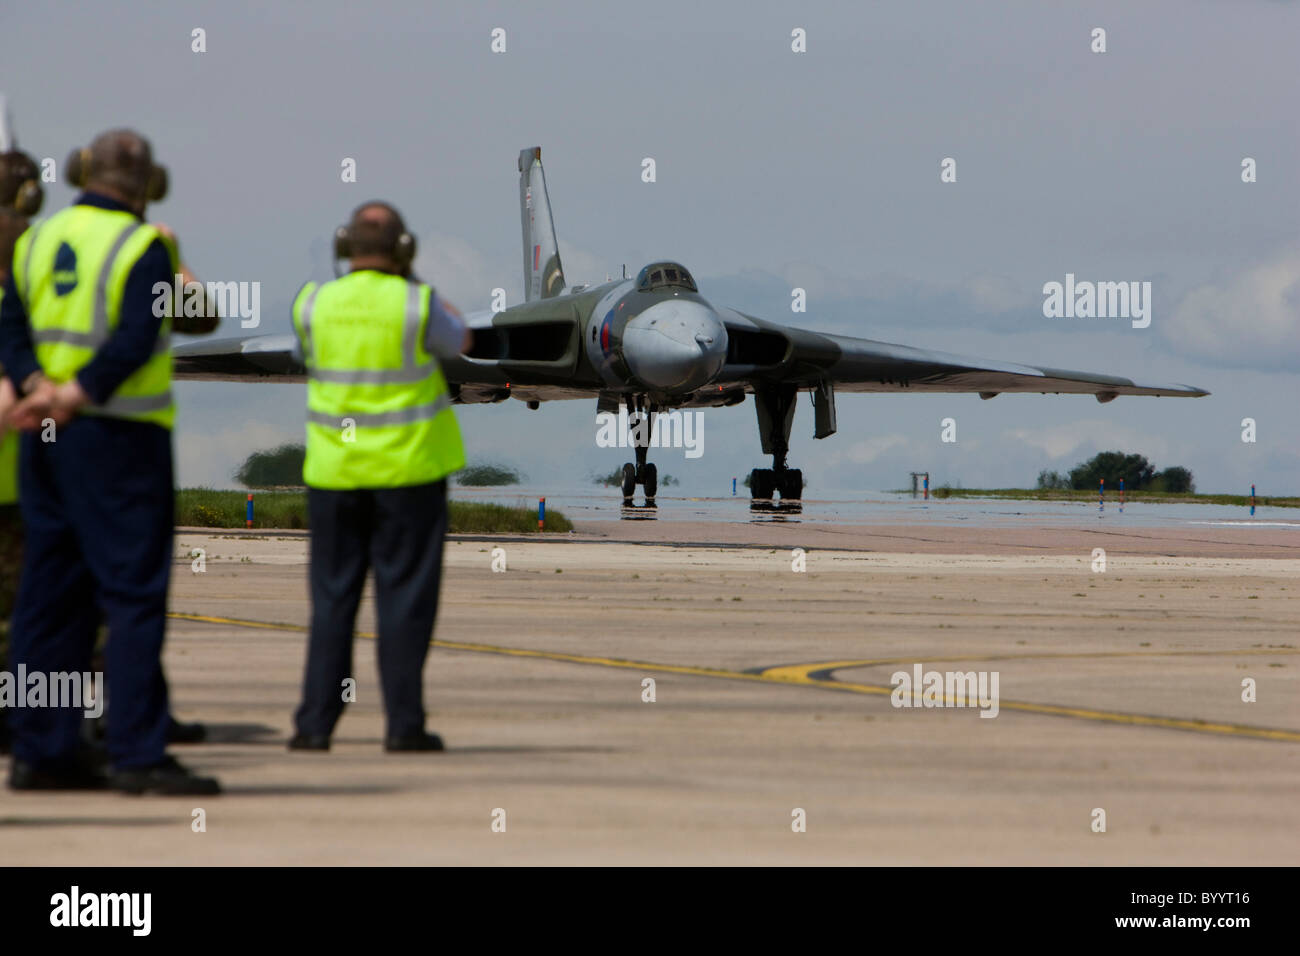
651, 480
761, 483
792, 485
629, 480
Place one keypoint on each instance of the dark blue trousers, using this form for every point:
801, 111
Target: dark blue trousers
399, 533
98, 507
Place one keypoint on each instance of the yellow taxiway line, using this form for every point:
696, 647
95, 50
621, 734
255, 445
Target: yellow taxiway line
819, 675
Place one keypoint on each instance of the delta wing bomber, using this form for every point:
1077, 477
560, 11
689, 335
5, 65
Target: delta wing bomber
654, 343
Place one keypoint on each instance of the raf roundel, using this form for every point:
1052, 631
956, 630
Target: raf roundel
605, 328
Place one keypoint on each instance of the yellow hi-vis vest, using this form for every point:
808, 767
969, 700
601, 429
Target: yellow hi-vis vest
9, 468
378, 408
8, 457
8, 460
70, 271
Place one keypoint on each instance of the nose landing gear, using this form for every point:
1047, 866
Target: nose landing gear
641, 422
646, 475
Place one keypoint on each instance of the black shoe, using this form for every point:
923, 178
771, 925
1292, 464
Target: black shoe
79, 774
168, 778
178, 733
309, 742
416, 742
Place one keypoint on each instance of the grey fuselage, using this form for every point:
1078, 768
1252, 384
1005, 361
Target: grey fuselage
664, 342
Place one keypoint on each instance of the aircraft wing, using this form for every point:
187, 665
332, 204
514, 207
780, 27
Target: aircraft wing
765, 352
269, 358
272, 358
760, 354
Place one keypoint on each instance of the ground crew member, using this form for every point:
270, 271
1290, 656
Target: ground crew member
381, 441
83, 338
21, 197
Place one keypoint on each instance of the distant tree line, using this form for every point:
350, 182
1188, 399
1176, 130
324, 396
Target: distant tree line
1138, 474
282, 468
488, 474
615, 478
278, 468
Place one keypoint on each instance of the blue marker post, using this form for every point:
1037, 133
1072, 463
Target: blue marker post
1252, 501
1101, 496
1121, 496
733, 487
248, 512
926, 488
541, 513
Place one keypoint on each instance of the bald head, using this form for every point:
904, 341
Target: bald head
375, 230
121, 162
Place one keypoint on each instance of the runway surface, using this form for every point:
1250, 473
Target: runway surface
1119, 690
856, 508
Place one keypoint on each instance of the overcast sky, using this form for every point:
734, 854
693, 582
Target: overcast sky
775, 169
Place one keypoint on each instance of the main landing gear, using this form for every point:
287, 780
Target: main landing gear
775, 406
767, 483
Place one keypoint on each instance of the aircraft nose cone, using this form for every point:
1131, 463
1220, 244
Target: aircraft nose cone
677, 345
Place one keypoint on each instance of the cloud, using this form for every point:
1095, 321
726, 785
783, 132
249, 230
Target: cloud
996, 293
982, 293
867, 451
211, 457
1251, 320
463, 274
1078, 439
466, 276
582, 266
821, 283
863, 304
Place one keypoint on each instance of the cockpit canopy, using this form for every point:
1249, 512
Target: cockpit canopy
661, 275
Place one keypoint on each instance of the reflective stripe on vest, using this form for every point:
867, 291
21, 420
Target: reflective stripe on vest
412, 370
378, 408
9, 468
402, 416
129, 405
27, 257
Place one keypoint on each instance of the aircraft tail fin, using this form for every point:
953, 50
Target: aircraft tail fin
8, 141
543, 274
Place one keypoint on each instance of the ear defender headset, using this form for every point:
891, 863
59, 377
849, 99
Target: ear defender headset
28, 195
78, 172
402, 252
